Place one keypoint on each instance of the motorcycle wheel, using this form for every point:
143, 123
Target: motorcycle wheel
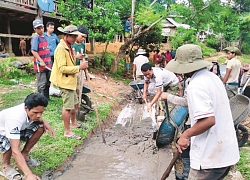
86, 104
242, 135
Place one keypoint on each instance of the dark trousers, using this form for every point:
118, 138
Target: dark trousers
213, 174
43, 83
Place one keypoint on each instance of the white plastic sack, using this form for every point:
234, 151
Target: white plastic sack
54, 92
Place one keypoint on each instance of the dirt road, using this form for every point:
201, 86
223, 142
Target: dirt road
130, 152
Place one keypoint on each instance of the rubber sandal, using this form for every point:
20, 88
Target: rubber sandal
33, 162
82, 127
11, 174
74, 136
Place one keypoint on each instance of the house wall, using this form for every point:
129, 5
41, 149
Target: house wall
16, 22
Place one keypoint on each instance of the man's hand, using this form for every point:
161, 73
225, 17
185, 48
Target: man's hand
48, 128
183, 143
41, 63
84, 65
79, 56
164, 96
32, 177
149, 107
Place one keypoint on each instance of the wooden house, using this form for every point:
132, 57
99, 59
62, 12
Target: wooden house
16, 17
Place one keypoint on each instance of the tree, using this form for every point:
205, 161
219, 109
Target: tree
147, 18
102, 20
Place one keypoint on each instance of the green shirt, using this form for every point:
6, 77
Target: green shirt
79, 48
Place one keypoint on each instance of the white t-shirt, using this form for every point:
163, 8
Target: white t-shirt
218, 146
235, 65
12, 121
162, 77
139, 61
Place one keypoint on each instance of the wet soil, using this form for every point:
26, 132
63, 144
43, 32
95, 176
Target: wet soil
129, 152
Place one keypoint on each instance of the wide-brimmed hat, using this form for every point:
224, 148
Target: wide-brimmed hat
140, 51
70, 29
188, 59
233, 49
37, 22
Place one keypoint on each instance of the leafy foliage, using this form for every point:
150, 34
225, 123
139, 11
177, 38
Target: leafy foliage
9, 72
182, 36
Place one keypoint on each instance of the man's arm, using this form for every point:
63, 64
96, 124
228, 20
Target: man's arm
228, 71
134, 71
15, 147
157, 96
36, 55
199, 127
145, 90
47, 127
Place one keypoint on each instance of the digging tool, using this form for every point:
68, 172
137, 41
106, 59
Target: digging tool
170, 166
39, 64
98, 118
154, 122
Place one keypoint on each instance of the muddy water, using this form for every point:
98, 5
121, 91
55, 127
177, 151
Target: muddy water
130, 153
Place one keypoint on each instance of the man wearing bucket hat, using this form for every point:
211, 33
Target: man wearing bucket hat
232, 70
212, 153
64, 75
138, 62
42, 60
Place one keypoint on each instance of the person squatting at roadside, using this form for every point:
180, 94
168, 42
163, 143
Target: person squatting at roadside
41, 53
160, 78
64, 75
212, 153
22, 123
139, 60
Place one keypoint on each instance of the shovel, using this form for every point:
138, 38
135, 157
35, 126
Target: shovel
153, 120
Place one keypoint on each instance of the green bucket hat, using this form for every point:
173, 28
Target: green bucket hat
233, 50
188, 59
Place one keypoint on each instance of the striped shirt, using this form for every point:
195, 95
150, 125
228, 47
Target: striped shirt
40, 45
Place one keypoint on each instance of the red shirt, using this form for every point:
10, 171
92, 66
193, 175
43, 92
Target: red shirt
168, 56
156, 58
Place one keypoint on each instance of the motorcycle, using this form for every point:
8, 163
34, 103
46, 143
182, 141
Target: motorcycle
85, 105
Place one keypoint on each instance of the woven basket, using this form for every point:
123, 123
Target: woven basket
240, 108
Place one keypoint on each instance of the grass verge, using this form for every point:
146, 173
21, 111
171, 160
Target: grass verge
52, 152
244, 163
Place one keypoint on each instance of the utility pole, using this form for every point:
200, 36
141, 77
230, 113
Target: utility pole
132, 15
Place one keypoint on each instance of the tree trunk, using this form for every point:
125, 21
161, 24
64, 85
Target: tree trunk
125, 46
104, 54
92, 45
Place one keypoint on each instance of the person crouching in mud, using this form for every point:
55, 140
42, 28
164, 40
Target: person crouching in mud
22, 123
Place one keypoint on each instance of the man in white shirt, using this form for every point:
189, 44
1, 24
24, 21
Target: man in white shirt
22, 123
232, 68
232, 73
138, 62
160, 78
212, 153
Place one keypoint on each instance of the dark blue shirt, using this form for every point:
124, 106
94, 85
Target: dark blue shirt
52, 41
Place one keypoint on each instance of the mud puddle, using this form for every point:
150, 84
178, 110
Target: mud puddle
129, 153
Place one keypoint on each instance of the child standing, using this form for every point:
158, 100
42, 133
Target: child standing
22, 46
127, 62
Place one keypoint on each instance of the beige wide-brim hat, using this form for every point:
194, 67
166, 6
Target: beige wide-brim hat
140, 51
188, 59
70, 29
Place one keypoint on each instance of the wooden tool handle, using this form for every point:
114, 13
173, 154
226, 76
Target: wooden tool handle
170, 166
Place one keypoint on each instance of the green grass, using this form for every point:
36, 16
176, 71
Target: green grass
244, 163
52, 152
